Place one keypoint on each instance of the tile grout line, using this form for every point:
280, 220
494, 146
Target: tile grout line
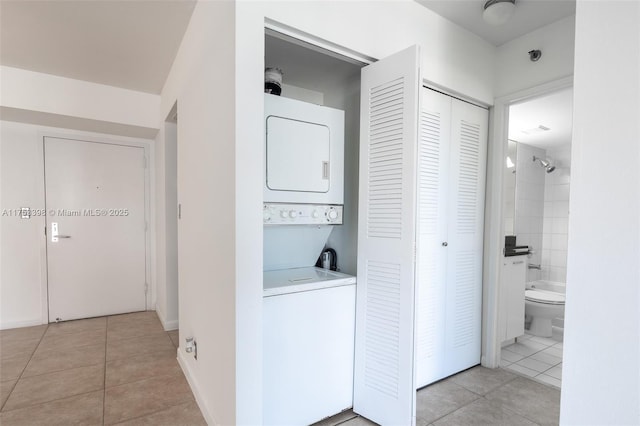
529, 357
24, 369
459, 408
478, 397
165, 409
512, 411
177, 373
58, 371
535, 379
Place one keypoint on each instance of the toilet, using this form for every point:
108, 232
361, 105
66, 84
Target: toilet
543, 306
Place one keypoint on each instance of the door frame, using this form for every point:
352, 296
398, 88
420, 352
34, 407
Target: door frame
149, 202
494, 231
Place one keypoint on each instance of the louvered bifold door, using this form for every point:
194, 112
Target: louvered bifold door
465, 229
431, 259
384, 386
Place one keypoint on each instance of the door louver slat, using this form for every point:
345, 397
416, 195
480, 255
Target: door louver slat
385, 160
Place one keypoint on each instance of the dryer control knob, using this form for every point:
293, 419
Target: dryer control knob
266, 215
293, 214
315, 214
333, 215
283, 214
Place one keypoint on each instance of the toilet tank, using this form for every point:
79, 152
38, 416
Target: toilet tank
304, 152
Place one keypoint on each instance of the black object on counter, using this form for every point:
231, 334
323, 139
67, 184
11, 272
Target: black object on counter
330, 259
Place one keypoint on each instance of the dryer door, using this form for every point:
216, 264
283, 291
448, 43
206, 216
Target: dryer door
297, 155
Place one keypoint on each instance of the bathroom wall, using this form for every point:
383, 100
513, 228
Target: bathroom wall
556, 216
509, 188
530, 186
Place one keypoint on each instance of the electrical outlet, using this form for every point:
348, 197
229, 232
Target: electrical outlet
191, 347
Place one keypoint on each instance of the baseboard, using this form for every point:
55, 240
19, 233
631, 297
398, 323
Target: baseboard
193, 383
166, 324
170, 325
20, 324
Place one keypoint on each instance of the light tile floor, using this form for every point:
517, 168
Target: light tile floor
478, 396
119, 369
536, 357
122, 370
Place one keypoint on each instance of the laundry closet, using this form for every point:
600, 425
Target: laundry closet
310, 215
400, 207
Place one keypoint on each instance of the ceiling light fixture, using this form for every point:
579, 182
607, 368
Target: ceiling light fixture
498, 12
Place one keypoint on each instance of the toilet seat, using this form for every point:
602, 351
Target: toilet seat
548, 298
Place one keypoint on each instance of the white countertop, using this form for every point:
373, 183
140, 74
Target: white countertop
285, 281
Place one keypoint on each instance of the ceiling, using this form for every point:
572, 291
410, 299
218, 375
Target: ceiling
126, 43
553, 112
528, 16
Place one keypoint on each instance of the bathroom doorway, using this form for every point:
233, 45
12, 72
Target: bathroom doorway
535, 212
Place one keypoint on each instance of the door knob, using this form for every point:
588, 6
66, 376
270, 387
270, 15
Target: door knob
444, 244
54, 233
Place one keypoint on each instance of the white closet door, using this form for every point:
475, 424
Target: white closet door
433, 166
384, 386
465, 233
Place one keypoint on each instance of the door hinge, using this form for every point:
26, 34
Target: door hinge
146, 288
146, 225
179, 211
45, 231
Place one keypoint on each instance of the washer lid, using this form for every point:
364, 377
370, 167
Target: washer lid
285, 281
541, 296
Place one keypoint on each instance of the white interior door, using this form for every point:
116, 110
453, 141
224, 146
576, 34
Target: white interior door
95, 198
384, 385
433, 179
451, 170
468, 153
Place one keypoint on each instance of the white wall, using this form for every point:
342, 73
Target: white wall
556, 216
166, 247
601, 376
22, 257
514, 71
202, 81
23, 296
344, 239
31, 96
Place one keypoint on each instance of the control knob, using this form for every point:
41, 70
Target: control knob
283, 214
293, 214
332, 215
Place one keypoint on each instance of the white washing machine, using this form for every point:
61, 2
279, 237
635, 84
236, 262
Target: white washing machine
308, 345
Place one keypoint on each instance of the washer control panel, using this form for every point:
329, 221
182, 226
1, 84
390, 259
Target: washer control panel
302, 214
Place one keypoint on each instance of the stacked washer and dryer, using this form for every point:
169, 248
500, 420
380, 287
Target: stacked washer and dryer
309, 312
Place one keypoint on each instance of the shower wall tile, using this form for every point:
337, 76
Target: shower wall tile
559, 242
560, 208
530, 199
556, 216
560, 225
561, 192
